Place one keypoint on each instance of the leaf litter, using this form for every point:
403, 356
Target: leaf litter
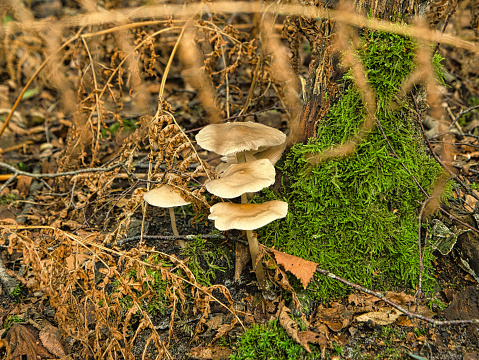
98, 293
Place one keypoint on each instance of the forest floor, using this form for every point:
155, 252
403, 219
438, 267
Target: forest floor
87, 271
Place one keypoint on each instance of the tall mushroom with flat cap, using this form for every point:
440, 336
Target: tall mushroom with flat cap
243, 140
248, 217
167, 196
238, 138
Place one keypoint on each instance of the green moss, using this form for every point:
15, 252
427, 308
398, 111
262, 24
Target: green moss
357, 216
270, 342
206, 259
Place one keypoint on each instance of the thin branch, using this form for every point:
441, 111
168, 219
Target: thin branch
171, 238
461, 114
393, 304
17, 172
67, 173
386, 300
454, 175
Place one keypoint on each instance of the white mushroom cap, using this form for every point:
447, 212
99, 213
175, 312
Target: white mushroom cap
246, 216
242, 178
231, 138
165, 196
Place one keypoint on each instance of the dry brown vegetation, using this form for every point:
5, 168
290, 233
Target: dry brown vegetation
118, 93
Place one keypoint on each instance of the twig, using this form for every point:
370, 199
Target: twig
461, 114
393, 304
17, 172
455, 176
67, 173
386, 300
171, 238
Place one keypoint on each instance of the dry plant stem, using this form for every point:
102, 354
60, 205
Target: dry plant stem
252, 240
421, 251
169, 238
40, 176
456, 118
454, 175
134, 14
157, 115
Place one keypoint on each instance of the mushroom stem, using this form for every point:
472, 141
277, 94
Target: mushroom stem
253, 240
181, 243
257, 267
241, 158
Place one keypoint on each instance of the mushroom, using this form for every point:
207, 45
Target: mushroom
243, 140
272, 153
248, 217
238, 179
229, 216
167, 196
238, 138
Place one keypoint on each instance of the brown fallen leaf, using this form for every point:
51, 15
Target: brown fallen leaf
4, 344
210, 352
24, 341
242, 256
380, 317
51, 339
302, 269
313, 338
23, 184
290, 325
336, 317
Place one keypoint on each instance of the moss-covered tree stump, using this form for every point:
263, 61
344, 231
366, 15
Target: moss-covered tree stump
358, 216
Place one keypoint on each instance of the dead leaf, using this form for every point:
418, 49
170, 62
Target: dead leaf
242, 256
211, 352
336, 317
75, 260
302, 269
380, 317
404, 321
4, 344
51, 339
313, 338
23, 184
24, 341
290, 325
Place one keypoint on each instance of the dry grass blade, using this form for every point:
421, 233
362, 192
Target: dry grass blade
194, 75
284, 75
229, 7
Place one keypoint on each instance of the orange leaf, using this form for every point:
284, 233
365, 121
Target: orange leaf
302, 269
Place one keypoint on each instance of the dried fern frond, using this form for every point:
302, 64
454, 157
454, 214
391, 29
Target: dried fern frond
173, 153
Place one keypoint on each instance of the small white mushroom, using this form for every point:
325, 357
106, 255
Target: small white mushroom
167, 196
249, 217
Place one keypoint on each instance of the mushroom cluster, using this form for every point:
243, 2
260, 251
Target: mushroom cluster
250, 150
